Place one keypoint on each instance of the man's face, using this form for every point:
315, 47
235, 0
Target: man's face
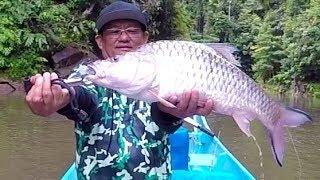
120, 36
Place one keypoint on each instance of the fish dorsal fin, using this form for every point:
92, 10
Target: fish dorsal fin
226, 51
162, 101
243, 121
145, 48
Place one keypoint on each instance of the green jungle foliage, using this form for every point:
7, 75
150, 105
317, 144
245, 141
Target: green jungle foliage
279, 40
30, 31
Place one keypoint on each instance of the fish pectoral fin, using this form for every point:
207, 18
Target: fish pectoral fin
243, 121
276, 140
162, 101
166, 103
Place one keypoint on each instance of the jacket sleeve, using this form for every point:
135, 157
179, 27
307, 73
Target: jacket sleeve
86, 101
165, 121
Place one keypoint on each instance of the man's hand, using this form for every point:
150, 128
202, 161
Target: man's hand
188, 105
43, 98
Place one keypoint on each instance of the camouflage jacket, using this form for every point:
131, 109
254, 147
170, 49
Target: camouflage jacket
122, 138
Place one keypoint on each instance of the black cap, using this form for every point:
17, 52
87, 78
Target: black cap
121, 10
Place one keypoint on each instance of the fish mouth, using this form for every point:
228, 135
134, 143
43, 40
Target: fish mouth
91, 70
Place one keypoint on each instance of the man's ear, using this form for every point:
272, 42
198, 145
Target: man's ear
145, 36
98, 39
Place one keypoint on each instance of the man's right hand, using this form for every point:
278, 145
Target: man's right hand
43, 98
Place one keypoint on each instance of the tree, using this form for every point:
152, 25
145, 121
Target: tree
302, 38
30, 31
268, 51
169, 20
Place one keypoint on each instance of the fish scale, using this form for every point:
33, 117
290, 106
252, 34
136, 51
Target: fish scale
159, 70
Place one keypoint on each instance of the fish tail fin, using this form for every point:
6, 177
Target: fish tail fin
294, 117
288, 117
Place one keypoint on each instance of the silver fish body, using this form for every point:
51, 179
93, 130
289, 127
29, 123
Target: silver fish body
158, 70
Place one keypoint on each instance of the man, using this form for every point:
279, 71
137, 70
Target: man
120, 137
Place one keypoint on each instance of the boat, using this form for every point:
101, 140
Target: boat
196, 154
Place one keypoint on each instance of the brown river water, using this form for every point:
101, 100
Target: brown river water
33, 147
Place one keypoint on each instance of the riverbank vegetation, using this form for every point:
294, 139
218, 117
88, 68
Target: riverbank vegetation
279, 40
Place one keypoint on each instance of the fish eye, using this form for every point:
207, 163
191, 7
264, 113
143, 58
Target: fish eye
116, 59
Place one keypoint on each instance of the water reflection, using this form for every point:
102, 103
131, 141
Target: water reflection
32, 147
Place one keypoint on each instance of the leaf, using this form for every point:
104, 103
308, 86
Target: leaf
3, 62
29, 41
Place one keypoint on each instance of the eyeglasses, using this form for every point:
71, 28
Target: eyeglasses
116, 33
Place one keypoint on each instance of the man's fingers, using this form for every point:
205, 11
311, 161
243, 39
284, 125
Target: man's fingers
46, 91
36, 87
34, 97
192, 104
37, 90
66, 95
173, 99
57, 92
183, 104
33, 78
207, 109
61, 95
188, 105
54, 76
55, 88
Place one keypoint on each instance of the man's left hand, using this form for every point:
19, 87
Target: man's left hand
187, 105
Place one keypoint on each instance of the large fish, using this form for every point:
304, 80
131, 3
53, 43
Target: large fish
158, 70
